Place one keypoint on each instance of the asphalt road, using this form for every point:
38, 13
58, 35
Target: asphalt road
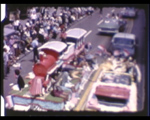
90, 23
139, 29
135, 26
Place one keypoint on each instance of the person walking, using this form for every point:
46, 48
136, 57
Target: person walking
35, 49
20, 80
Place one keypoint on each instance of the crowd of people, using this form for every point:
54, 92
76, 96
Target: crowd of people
43, 24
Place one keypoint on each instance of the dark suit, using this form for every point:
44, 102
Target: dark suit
20, 82
36, 54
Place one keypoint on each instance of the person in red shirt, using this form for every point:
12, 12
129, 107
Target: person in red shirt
63, 36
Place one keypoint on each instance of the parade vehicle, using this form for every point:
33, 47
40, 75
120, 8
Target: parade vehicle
76, 42
114, 93
112, 25
116, 87
124, 42
47, 90
129, 12
54, 48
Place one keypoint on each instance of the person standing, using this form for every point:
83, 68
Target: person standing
88, 47
18, 13
5, 41
16, 24
100, 9
63, 36
35, 49
11, 42
20, 80
36, 86
6, 59
33, 17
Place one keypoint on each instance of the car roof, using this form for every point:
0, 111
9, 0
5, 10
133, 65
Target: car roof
76, 33
109, 23
125, 35
54, 45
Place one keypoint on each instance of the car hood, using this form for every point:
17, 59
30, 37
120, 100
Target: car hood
130, 49
112, 91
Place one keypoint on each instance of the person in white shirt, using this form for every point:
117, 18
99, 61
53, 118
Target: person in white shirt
27, 33
16, 24
33, 17
41, 35
33, 10
28, 24
35, 49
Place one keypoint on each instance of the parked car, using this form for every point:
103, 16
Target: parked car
112, 26
124, 42
129, 12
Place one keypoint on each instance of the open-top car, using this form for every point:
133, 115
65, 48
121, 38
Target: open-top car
114, 92
129, 12
112, 26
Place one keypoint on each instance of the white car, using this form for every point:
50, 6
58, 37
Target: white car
113, 92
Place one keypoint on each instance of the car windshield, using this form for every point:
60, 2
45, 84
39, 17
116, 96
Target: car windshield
117, 79
124, 41
111, 20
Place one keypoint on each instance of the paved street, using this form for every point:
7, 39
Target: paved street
90, 23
